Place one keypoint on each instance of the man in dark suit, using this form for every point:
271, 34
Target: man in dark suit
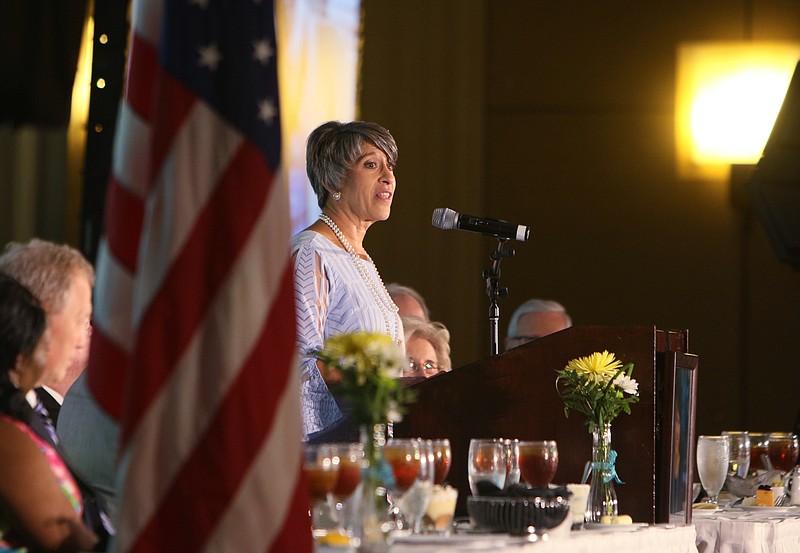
62, 279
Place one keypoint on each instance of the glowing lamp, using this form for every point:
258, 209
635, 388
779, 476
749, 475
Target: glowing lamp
728, 95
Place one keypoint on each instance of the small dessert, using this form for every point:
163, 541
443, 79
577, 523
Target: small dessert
764, 496
441, 508
606, 519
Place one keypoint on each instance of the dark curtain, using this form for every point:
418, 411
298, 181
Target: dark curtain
39, 44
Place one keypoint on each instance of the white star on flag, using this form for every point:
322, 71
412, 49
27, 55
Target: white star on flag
262, 51
266, 110
210, 56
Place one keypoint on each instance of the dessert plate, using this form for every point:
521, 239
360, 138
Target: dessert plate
596, 526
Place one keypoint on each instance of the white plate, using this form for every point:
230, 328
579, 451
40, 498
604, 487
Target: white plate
767, 509
490, 540
705, 512
596, 526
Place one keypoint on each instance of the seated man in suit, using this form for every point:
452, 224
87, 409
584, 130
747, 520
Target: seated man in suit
61, 278
536, 318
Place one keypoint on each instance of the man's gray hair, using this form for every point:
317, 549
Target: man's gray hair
395, 289
46, 269
535, 306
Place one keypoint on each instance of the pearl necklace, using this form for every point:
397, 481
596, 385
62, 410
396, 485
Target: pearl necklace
384, 300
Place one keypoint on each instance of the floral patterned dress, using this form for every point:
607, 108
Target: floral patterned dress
60, 471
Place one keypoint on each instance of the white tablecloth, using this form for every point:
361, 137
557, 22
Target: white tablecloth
651, 539
738, 531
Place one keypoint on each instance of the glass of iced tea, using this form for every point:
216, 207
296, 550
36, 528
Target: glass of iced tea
350, 456
413, 465
443, 458
321, 467
782, 451
403, 456
538, 462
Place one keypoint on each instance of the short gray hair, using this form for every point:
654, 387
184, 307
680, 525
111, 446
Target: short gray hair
395, 289
333, 148
535, 306
435, 333
46, 269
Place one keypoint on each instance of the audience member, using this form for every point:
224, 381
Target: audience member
536, 318
41, 502
427, 347
62, 279
409, 302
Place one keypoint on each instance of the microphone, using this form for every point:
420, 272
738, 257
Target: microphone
447, 219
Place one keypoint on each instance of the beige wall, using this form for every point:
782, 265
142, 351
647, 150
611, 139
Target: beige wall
559, 115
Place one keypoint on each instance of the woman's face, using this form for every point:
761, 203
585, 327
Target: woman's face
368, 190
422, 359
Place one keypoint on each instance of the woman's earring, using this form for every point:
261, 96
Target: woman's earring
337, 196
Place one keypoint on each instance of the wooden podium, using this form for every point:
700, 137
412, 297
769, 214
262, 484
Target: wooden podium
513, 395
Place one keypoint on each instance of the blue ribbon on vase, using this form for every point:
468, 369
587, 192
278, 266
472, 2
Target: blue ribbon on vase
608, 467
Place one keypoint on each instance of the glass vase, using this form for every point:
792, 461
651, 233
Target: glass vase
602, 496
374, 520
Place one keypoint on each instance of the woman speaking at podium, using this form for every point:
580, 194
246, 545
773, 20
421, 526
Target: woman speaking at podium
337, 286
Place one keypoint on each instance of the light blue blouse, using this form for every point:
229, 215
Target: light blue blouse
331, 297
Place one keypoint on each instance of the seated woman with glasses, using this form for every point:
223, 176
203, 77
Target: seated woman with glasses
427, 348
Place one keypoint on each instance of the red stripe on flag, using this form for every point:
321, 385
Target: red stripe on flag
175, 104
123, 223
211, 476
221, 229
142, 68
107, 381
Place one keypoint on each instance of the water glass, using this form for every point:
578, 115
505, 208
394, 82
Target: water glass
512, 461
713, 456
739, 464
487, 462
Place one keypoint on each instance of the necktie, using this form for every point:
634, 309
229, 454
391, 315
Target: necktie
47, 422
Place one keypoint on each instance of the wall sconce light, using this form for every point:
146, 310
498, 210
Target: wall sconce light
727, 97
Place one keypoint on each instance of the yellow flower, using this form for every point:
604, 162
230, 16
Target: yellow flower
368, 365
599, 367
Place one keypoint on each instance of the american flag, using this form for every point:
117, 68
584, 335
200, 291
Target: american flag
194, 343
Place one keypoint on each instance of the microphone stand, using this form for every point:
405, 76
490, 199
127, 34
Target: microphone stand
493, 290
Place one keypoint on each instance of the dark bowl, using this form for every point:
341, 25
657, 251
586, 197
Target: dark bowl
517, 515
